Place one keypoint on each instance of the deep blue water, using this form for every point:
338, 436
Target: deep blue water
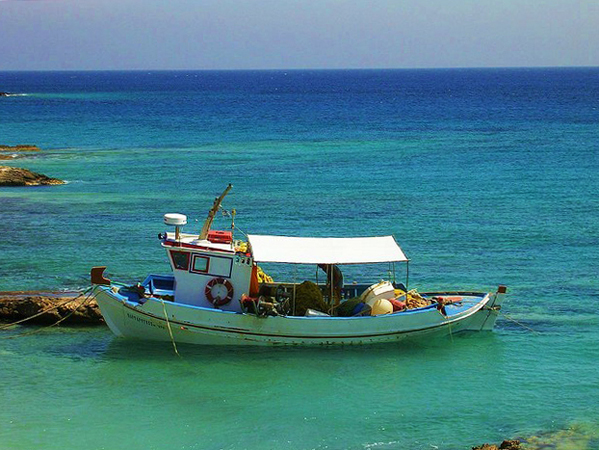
484, 177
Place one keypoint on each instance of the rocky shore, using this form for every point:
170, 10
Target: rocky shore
76, 309
19, 148
505, 445
15, 176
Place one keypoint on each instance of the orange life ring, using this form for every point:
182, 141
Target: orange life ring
218, 301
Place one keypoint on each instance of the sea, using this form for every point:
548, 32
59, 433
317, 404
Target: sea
484, 177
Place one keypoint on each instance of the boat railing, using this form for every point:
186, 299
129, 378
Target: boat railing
348, 291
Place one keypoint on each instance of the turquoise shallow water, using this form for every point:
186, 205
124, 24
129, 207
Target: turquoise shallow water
83, 389
484, 177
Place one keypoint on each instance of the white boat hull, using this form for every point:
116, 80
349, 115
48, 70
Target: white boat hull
207, 326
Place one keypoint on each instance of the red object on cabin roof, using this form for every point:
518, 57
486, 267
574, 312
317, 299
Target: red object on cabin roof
220, 237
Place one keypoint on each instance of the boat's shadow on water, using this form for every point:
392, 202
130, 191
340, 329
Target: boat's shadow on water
99, 345
103, 346
134, 349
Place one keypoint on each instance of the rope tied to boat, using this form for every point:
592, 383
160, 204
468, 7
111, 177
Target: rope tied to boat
168, 326
518, 323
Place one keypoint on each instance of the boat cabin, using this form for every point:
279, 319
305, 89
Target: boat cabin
217, 272
213, 270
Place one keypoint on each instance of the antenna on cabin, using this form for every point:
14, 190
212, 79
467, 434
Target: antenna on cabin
176, 220
208, 223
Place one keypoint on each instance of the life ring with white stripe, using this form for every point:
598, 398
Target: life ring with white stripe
215, 293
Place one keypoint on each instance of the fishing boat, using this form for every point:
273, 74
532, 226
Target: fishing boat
218, 295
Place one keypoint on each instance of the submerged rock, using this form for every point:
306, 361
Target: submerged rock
581, 436
15, 176
576, 437
20, 305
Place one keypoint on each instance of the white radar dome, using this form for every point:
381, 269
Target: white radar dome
177, 220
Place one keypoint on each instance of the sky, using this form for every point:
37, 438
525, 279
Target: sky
296, 34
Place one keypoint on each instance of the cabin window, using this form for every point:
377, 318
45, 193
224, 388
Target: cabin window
180, 260
217, 266
200, 264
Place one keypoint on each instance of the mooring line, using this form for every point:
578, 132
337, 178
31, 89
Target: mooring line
168, 325
518, 323
87, 299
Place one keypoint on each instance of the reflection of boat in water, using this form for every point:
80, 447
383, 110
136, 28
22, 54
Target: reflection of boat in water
217, 294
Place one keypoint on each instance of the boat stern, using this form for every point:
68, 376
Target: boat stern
108, 300
111, 308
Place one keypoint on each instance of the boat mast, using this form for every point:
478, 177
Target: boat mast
208, 223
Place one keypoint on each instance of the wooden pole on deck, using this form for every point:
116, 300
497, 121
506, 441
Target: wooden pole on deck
208, 223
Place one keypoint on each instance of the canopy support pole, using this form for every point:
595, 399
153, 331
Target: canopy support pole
407, 274
331, 299
294, 285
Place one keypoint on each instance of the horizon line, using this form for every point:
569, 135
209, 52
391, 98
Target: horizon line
304, 69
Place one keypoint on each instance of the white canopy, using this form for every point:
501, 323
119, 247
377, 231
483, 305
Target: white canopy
311, 250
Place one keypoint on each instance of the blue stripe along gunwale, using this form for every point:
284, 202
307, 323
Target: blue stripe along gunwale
252, 333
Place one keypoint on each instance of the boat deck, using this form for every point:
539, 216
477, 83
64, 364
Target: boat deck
162, 287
